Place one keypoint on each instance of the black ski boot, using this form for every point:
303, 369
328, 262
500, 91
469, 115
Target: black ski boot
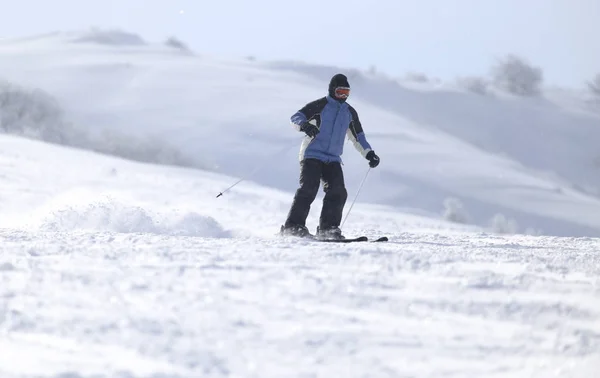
333, 233
296, 230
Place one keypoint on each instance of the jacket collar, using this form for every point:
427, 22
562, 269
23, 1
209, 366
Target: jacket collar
333, 101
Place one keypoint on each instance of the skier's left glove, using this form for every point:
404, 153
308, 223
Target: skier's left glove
309, 129
373, 159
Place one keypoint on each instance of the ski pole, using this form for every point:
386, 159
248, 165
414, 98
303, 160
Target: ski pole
258, 167
355, 197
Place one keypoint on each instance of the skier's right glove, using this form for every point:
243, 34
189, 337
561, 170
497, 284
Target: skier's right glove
309, 129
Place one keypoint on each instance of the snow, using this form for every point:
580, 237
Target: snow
121, 268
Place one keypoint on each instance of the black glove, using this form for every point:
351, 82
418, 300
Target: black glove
309, 129
373, 159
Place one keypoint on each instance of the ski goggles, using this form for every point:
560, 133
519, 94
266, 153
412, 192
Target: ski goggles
342, 92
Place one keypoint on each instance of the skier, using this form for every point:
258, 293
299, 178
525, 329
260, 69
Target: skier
326, 122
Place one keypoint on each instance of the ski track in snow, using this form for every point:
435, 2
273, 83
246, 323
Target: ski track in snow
83, 303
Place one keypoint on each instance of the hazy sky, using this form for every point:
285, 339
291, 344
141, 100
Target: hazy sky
442, 38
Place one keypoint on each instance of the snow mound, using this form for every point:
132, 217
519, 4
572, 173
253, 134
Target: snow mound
103, 215
110, 37
112, 215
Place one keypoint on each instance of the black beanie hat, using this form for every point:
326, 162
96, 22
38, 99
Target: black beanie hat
338, 80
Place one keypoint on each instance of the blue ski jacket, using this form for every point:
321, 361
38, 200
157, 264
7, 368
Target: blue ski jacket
336, 121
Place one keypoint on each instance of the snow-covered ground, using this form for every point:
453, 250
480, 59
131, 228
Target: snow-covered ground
115, 268
110, 267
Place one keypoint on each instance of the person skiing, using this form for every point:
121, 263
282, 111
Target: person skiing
326, 122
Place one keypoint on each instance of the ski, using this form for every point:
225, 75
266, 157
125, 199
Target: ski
352, 240
347, 240
381, 239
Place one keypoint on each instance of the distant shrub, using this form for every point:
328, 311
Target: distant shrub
417, 77
32, 113
474, 84
502, 225
594, 86
35, 114
454, 211
110, 37
516, 76
176, 43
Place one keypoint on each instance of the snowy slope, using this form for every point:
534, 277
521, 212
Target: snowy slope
529, 160
49, 188
115, 268
121, 269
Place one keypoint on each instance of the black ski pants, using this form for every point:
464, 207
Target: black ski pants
312, 172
